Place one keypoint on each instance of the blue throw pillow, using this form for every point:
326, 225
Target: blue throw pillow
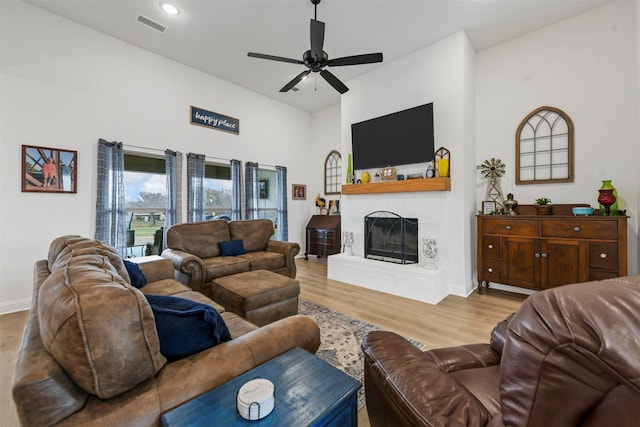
186, 327
135, 274
231, 248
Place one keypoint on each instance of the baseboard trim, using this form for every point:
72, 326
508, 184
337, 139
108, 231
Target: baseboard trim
13, 306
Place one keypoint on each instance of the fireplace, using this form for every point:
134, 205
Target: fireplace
390, 237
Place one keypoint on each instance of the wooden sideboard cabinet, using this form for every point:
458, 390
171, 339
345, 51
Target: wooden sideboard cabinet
323, 235
542, 252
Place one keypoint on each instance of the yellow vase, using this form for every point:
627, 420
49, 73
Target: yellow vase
365, 177
443, 167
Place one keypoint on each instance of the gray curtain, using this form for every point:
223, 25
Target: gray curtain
195, 187
251, 192
173, 160
236, 190
283, 213
111, 227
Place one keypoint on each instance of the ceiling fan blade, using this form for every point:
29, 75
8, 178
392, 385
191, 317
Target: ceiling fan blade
334, 81
368, 58
317, 39
295, 81
274, 58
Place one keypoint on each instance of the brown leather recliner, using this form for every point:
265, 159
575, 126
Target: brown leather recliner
569, 356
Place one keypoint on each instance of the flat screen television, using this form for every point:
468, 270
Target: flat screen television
399, 138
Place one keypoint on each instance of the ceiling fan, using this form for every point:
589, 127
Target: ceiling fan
317, 60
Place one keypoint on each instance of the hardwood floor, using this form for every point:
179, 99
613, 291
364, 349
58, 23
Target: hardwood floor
455, 320
11, 327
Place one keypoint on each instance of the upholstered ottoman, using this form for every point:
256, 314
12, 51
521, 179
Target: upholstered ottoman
260, 296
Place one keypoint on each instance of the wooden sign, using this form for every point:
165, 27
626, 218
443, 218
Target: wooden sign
388, 174
209, 119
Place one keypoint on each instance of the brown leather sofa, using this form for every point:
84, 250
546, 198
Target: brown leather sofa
569, 356
90, 353
194, 250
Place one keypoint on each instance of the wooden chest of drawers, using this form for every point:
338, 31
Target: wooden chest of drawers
323, 236
541, 252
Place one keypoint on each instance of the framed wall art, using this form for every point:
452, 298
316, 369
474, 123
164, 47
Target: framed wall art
49, 170
299, 191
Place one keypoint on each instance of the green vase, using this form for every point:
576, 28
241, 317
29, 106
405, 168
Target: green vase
606, 185
350, 176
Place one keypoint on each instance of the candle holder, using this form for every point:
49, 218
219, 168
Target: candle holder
606, 199
430, 251
347, 243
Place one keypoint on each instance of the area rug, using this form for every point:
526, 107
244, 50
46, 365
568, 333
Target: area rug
341, 337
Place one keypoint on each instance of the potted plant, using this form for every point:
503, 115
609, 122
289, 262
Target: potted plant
543, 206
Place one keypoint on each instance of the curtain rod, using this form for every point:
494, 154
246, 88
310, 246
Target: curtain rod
144, 148
206, 157
217, 158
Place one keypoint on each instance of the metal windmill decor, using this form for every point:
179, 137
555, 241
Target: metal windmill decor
493, 170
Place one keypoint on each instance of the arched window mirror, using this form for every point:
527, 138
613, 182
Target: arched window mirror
544, 147
332, 173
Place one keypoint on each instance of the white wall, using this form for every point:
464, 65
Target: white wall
586, 66
64, 86
441, 73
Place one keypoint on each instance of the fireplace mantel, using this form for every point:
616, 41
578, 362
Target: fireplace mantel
409, 185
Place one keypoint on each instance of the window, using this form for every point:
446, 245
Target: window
544, 147
268, 199
217, 191
332, 173
145, 200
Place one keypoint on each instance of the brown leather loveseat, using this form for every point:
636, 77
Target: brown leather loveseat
569, 356
194, 248
91, 355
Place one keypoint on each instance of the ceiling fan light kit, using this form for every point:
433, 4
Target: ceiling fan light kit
317, 60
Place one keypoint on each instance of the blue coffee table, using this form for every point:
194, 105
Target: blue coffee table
309, 392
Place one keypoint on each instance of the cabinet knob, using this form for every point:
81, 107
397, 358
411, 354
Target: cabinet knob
537, 255
603, 255
576, 228
490, 246
508, 227
543, 255
490, 270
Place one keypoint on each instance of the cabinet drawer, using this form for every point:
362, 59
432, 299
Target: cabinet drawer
490, 270
581, 229
603, 255
491, 246
595, 274
510, 227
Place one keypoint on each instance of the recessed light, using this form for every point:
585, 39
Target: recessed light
169, 8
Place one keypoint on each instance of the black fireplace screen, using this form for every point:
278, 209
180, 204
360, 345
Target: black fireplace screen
389, 237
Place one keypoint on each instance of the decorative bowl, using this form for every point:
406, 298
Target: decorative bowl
583, 211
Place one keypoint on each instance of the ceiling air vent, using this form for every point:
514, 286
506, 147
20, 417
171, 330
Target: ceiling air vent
151, 23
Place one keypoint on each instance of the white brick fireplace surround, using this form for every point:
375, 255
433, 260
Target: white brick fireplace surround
409, 280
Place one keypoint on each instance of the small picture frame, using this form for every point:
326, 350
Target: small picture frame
49, 170
488, 207
334, 207
299, 191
